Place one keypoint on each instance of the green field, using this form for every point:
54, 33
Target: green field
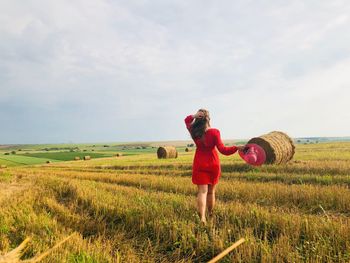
67, 156
15, 160
140, 209
39, 154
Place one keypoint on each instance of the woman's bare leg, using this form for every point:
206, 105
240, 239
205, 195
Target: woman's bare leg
211, 198
202, 201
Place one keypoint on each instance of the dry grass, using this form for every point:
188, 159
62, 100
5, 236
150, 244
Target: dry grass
142, 209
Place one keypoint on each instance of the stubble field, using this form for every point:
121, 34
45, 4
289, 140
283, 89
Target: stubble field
141, 209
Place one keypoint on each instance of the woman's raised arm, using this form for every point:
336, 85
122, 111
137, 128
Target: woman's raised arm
188, 121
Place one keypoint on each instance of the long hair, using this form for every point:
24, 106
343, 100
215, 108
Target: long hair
200, 124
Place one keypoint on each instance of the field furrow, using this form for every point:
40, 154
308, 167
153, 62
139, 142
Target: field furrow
251, 176
313, 199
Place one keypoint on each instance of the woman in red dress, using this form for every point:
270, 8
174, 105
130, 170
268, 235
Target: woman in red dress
206, 168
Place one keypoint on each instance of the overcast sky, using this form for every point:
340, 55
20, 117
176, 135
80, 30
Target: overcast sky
131, 70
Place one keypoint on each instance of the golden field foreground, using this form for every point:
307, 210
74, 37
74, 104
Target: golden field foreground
141, 209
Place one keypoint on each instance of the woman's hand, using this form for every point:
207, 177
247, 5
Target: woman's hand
241, 147
198, 115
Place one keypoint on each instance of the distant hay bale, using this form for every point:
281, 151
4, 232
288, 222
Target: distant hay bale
87, 158
187, 150
278, 146
76, 158
166, 152
3, 166
48, 161
118, 155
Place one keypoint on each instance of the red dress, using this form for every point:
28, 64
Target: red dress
206, 164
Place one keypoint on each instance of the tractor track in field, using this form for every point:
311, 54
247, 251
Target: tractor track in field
285, 178
143, 184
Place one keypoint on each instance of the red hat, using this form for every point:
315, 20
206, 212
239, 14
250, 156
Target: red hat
253, 154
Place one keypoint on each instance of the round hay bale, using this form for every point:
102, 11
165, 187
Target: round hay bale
48, 161
166, 152
3, 166
76, 158
118, 155
278, 146
87, 158
187, 150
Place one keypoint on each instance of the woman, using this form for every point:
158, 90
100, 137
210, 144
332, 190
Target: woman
206, 168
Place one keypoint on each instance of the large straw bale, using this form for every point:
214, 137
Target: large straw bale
278, 146
167, 152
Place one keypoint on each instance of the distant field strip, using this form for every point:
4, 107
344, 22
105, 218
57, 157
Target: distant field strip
67, 156
24, 160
